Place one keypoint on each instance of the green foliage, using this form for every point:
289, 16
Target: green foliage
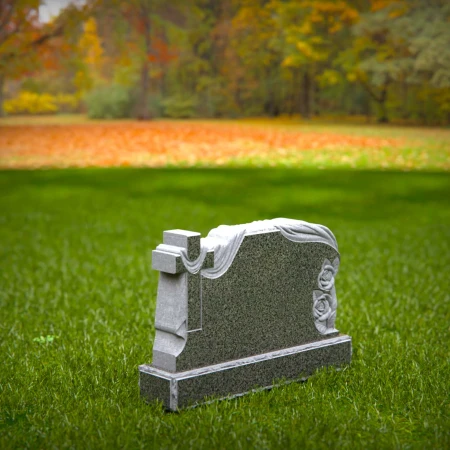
45, 339
74, 262
126, 75
109, 102
33, 85
399, 47
179, 107
155, 105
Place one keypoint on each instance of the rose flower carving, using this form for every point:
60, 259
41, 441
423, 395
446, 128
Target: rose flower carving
324, 311
327, 274
325, 302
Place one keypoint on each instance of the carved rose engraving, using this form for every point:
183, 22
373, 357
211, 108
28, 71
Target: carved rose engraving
325, 303
324, 311
327, 274
322, 307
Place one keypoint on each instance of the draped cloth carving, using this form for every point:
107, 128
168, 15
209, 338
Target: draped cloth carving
226, 240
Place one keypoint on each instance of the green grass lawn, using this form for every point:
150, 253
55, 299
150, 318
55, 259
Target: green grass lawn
75, 251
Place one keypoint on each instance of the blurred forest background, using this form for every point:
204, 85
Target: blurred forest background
381, 59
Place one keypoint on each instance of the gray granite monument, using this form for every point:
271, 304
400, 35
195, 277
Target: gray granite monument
245, 308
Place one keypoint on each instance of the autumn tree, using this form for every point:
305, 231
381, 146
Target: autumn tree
400, 45
19, 28
311, 31
24, 39
256, 39
90, 59
147, 23
229, 58
197, 75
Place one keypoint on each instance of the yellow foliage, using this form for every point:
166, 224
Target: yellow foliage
328, 78
442, 98
305, 28
335, 28
316, 40
92, 56
398, 7
376, 5
31, 103
82, 81
289, 61
90, 44
334, 13
67, 101
308, 26
306, 49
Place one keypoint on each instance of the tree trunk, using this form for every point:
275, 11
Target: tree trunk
316, 100
405, 111
143, 110
379, 99
2, 86
368, 110
292, 94
306, 97
382, 102
270, 106
143, 113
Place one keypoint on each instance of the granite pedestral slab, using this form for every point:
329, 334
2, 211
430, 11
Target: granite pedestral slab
245, 308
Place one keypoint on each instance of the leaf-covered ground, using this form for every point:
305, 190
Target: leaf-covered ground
77, 301
39, 143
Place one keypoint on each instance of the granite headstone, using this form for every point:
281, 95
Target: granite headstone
245, 308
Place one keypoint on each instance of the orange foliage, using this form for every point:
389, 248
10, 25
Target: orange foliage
52, 53
377, 5
21, 34
161, 143
161, 52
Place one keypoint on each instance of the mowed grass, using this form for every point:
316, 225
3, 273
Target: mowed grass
75, 257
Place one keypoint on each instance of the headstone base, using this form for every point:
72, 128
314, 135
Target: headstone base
235, 378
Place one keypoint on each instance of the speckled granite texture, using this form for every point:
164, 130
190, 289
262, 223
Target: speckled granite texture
234, 378
274, 292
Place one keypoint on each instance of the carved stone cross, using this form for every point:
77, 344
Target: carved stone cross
179, 307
